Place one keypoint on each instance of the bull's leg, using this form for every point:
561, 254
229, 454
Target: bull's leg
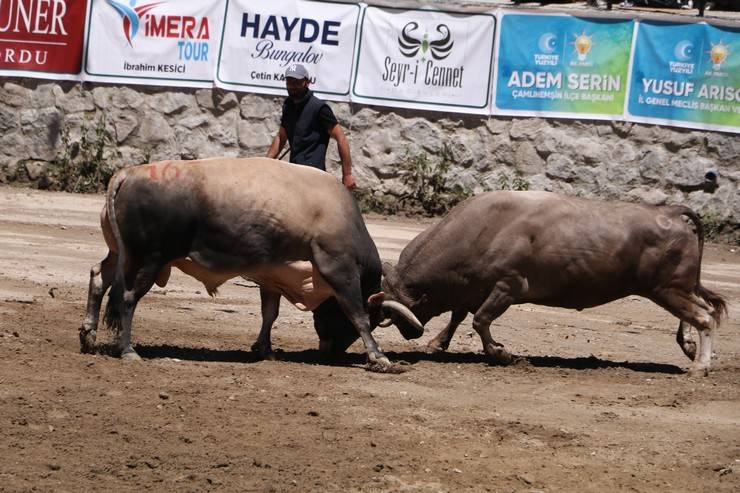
685, 340
704, 360
141, 282
442, 341
341, 272
101, 277
351, 302
270, 309
493, 307
693, 310
352, 306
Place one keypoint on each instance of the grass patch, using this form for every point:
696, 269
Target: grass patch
80, 166
427, 181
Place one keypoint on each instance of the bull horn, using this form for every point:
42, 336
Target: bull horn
386, 323
403, 310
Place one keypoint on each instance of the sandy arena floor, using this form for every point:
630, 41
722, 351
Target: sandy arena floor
600, 403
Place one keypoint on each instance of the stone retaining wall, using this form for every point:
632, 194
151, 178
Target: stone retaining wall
608, 160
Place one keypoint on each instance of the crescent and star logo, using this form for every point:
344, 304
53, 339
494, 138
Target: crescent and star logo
547, 43
684, 50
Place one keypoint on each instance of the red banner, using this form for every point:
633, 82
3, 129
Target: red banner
42, 35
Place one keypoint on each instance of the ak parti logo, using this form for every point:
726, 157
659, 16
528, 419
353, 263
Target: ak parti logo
718, 54
132, 15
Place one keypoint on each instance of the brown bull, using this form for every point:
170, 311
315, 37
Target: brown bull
294, 230
505, 248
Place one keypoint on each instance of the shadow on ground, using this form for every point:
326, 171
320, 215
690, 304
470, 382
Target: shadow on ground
315, 357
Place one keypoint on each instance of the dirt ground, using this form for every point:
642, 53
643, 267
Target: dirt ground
599, 403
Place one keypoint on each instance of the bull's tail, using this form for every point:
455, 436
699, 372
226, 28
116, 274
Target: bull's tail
717, 301
698, 228
115, 296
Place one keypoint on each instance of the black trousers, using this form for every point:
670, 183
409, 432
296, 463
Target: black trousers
333, 326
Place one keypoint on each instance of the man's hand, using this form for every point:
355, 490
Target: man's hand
343, 147
349, 182
277, 143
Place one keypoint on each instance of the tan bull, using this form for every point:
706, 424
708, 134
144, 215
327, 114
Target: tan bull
294, 230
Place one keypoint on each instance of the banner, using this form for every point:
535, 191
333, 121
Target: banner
170, 42
562, 66
425, 59
650, 70
42, 38
686, 75
262, 38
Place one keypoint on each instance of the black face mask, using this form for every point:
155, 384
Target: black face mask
297, 94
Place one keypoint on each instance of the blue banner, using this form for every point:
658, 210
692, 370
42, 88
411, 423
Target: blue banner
686, 75
557, 65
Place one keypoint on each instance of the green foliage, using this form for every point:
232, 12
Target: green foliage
80, 166
712, 225
369, 202
717, 229
17, 174
426, 180
518, 182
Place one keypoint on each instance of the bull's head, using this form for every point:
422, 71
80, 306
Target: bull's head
337, 333
384, 307
393, 307
396, 313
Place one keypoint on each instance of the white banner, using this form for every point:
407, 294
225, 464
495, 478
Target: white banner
171, 42
263, 37
425, 59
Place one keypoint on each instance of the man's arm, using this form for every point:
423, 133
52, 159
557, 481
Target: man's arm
277, 143
337, 134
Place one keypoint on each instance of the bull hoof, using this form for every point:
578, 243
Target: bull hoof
264, 351
689, 349
268, 356
378, 363
87, 341
130, 356
434, 348
499, 356
384, 366
698, 372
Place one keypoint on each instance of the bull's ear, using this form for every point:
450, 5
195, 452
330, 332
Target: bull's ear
376, 299
387, 267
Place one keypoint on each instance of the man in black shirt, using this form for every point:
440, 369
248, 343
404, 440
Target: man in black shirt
307, 124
